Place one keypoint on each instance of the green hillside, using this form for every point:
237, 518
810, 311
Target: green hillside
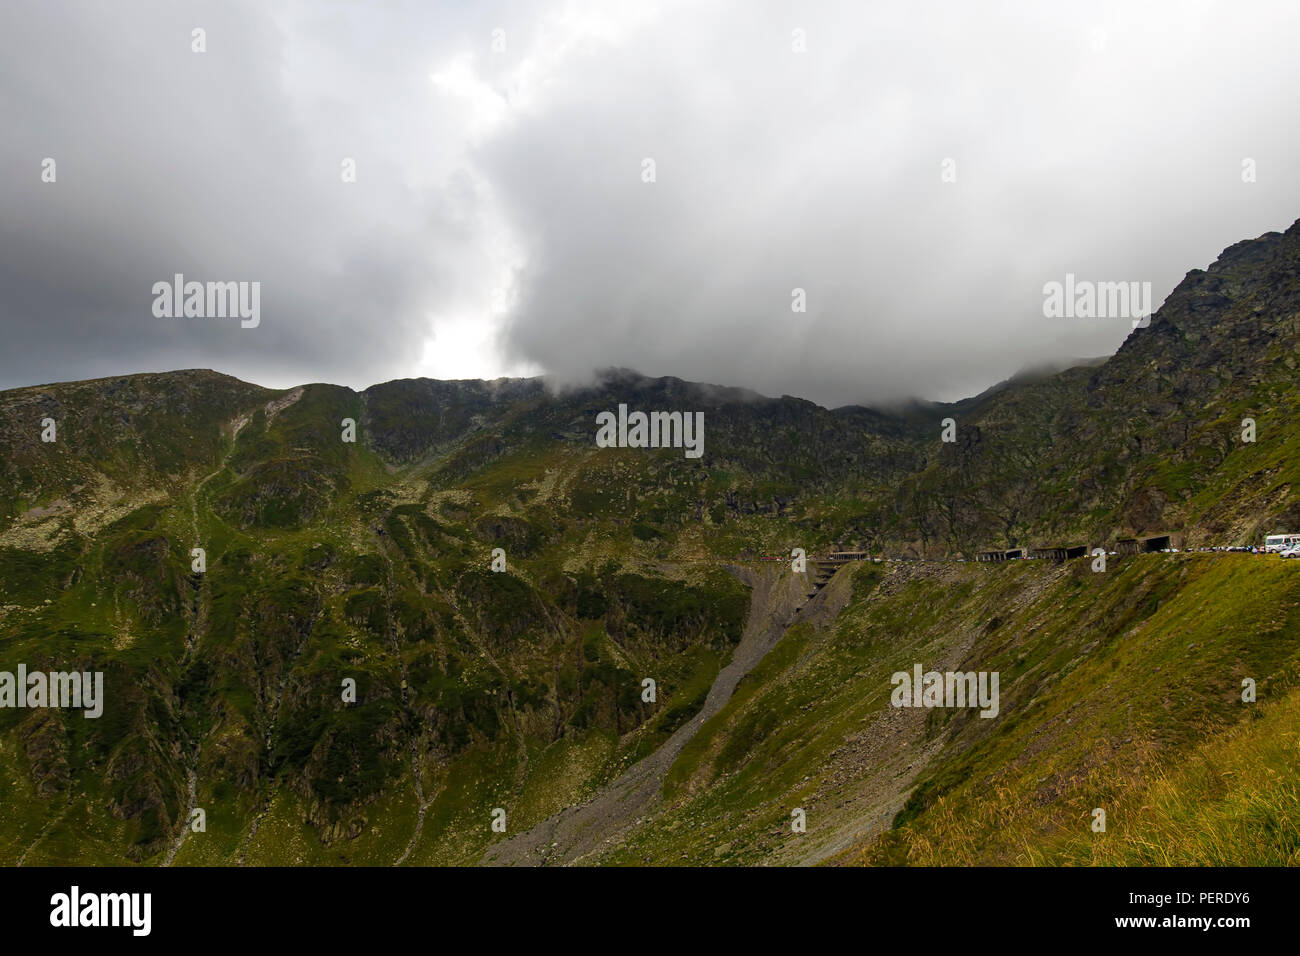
332, 563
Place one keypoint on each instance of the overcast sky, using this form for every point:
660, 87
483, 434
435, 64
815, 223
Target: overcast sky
501, 222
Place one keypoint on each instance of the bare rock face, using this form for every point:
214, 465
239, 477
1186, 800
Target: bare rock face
1146, 511
47, 753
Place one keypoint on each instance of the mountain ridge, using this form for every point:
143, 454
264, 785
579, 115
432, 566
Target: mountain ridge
328, 560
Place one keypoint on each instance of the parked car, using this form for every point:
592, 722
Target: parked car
1292, 552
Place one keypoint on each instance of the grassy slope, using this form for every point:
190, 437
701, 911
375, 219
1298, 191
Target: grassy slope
300, 591
1110, 682
1119, 690
1148, 671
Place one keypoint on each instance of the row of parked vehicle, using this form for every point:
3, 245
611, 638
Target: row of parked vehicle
1287, 551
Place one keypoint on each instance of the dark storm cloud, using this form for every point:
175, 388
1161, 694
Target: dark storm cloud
224, 165
499, 188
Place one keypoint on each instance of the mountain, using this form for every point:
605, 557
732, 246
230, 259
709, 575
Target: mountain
330, 564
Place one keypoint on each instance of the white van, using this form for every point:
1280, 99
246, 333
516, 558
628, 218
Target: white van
1280, 542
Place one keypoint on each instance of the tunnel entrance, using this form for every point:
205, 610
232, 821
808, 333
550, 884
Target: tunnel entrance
1155, 544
